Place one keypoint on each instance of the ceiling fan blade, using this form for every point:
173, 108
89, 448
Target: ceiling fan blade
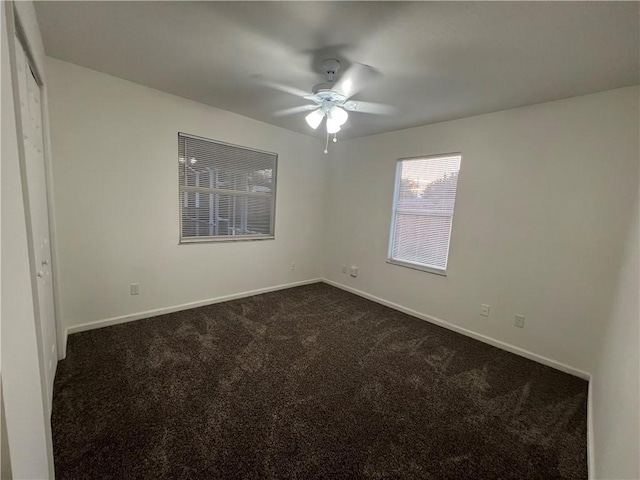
293, 110
357, 77
279, 86
369, 107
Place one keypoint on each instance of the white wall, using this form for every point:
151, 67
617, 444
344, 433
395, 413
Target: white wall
544, 197
28, 428
115, 173
616, 404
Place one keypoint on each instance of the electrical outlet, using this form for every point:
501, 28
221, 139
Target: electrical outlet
519, 322
293, 266
135, 288
484, 310
354, 271
344, 269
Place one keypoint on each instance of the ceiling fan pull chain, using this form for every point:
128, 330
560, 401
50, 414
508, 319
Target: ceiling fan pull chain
326, 145
335, 137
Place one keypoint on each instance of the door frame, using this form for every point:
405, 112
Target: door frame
14, 25
17, 32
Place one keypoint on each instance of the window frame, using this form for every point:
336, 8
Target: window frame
227, 238
394, 212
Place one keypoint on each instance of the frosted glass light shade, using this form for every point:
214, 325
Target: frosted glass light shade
314, 118
332, 125
339, 115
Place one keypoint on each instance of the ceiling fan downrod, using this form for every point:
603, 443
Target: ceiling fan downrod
331, 67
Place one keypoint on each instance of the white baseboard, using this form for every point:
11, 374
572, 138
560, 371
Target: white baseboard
107, 322
469, 333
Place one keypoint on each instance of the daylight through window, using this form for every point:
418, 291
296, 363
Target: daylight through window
227, 192
423, 207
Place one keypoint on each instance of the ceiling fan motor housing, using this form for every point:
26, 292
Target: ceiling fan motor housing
324, 92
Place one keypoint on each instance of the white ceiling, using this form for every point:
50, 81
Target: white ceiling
440, 60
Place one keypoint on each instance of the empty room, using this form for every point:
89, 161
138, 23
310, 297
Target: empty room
320, 240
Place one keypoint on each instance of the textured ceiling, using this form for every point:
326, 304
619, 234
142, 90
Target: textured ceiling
440, 60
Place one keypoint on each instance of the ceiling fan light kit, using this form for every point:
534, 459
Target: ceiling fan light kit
314, 119
337, 115
331, 97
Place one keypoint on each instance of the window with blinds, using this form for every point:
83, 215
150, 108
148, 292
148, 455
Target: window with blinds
226, 192
424, 201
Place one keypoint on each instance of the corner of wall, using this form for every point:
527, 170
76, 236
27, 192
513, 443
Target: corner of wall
591, 448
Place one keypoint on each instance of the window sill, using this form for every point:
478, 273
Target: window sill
227, 239
416, 266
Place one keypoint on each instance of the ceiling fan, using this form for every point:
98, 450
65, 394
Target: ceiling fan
331, 99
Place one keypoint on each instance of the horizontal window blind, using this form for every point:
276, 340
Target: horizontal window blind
423, 211
227, 192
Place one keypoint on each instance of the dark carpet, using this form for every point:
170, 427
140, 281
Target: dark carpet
310, 382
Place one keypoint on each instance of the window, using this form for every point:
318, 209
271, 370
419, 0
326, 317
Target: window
423, 204
226, 192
